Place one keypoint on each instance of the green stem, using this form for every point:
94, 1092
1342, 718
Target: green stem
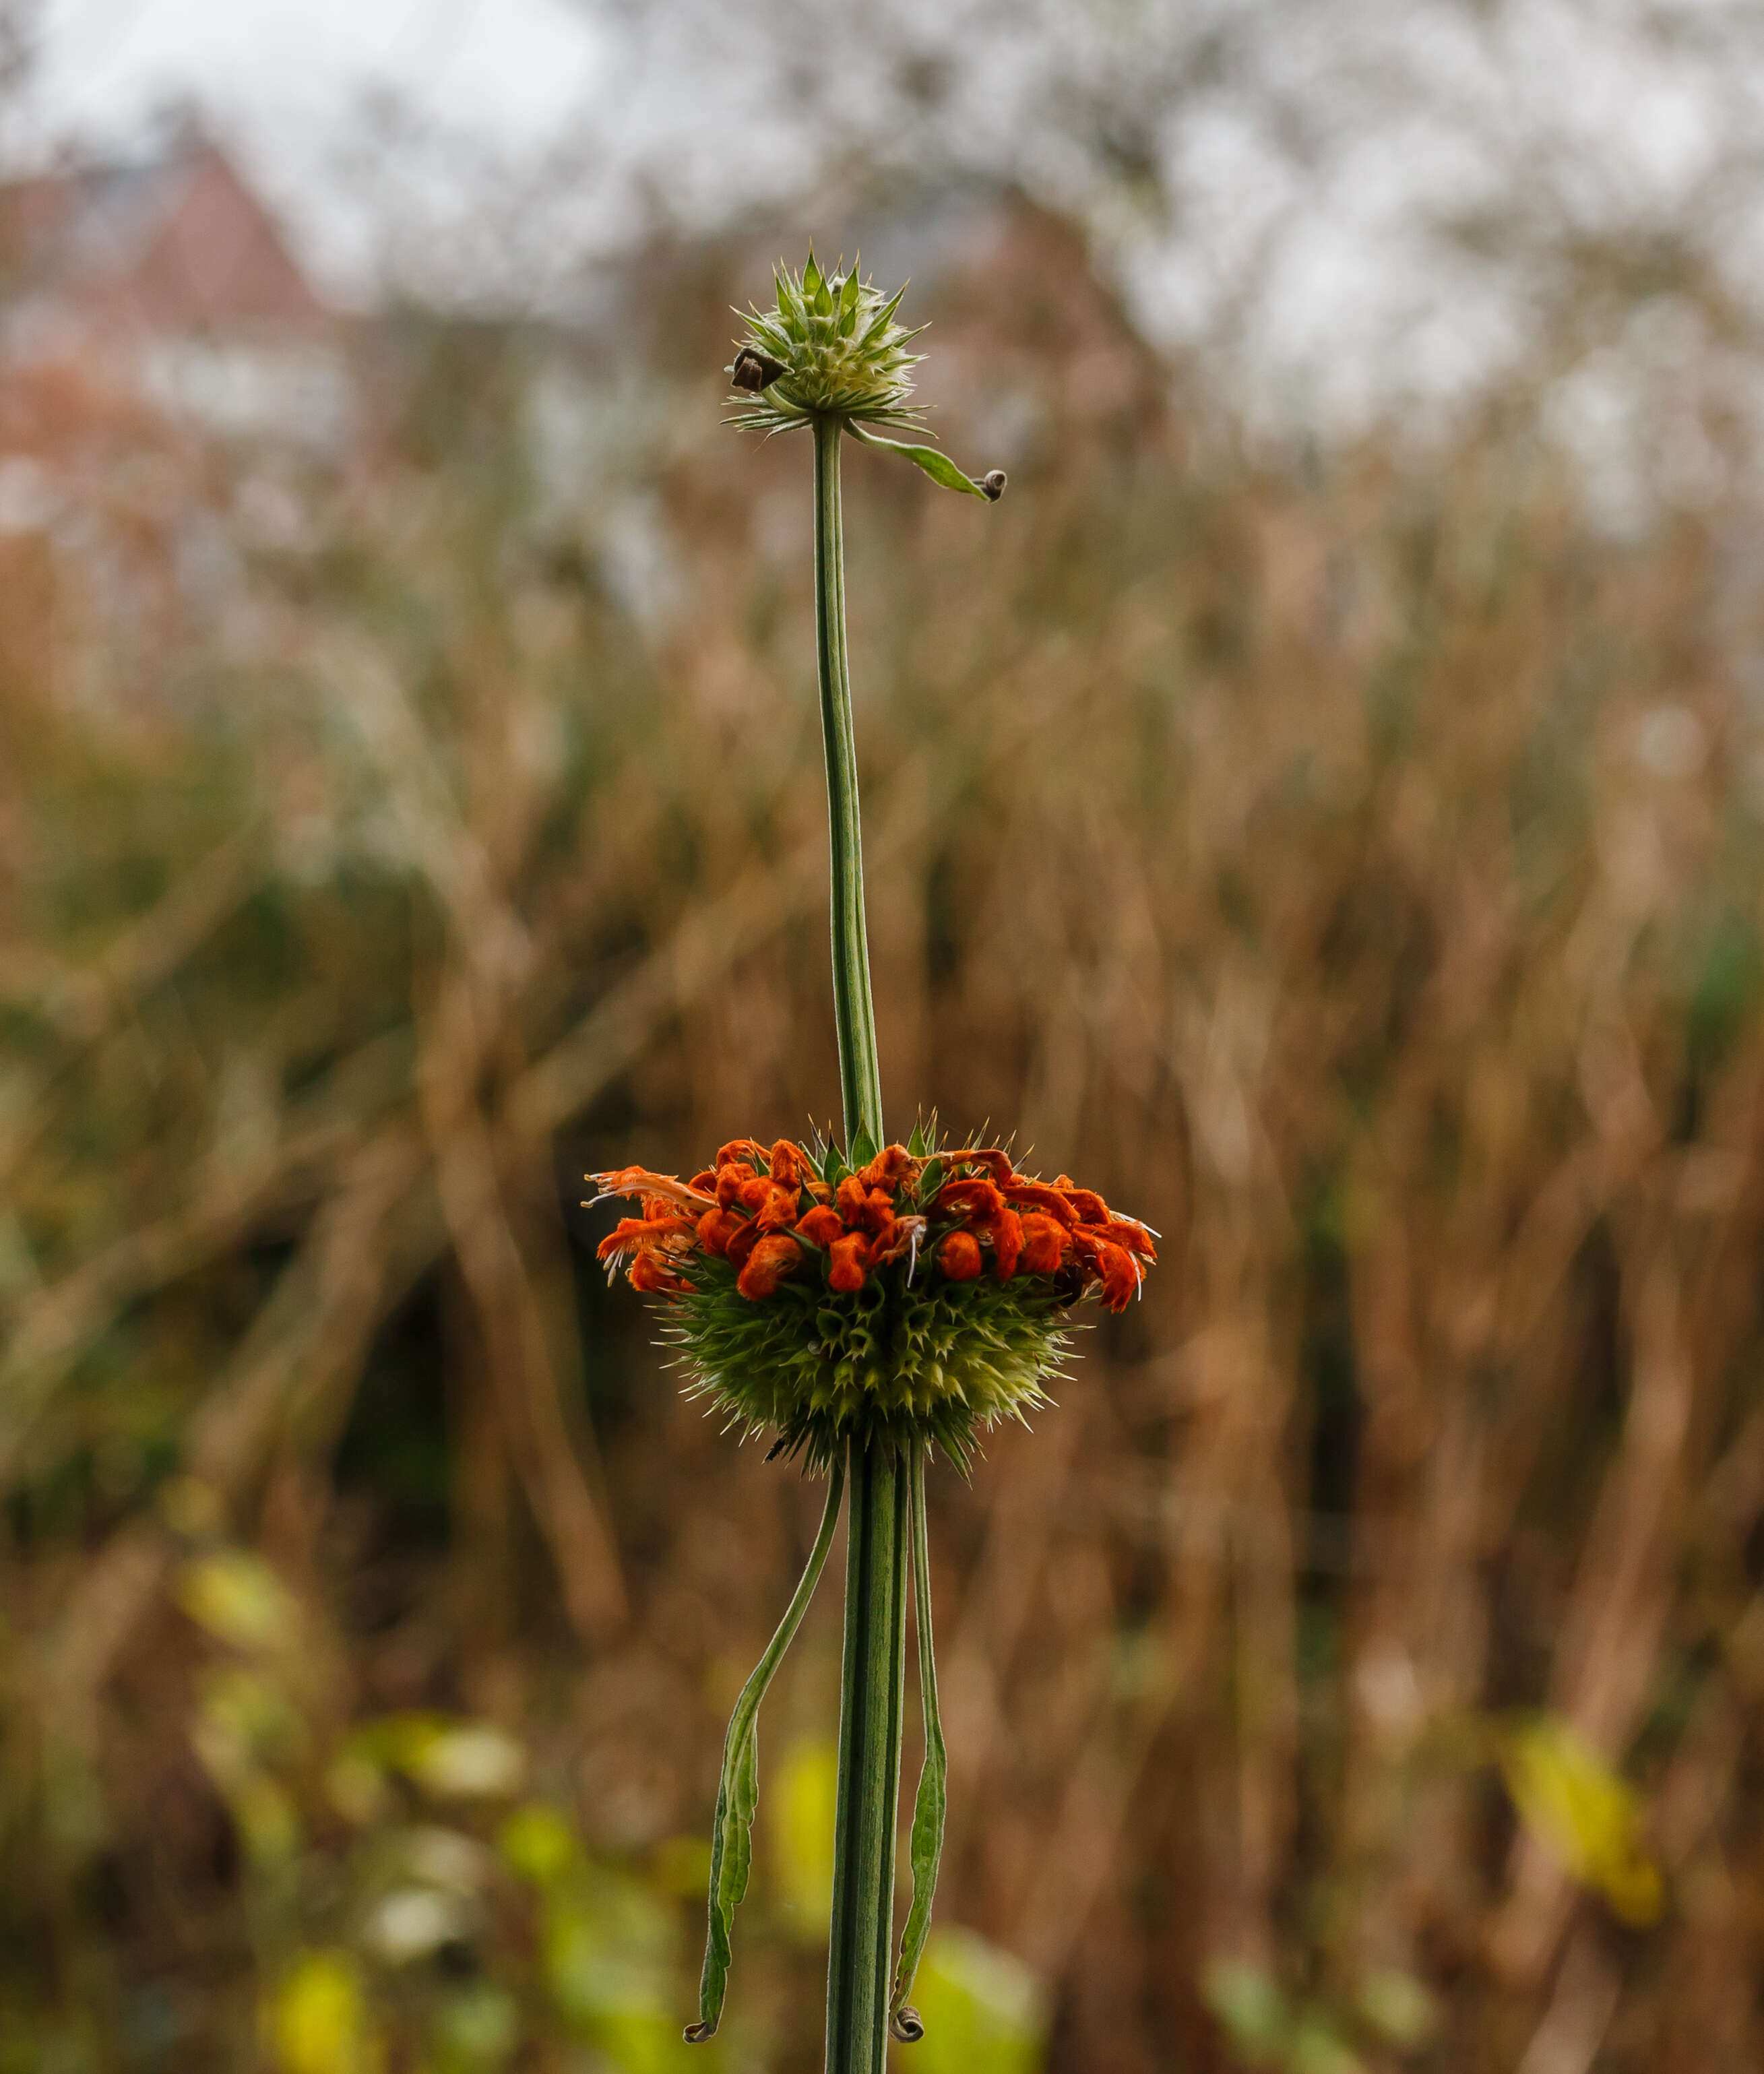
874, 1683
859, 1076
871, 1694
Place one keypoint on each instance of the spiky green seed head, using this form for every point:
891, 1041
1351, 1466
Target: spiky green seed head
928, 1360
830, 347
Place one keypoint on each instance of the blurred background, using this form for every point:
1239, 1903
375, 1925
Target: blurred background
1322, 807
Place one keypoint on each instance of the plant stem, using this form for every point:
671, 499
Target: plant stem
872, 1692
872, 1685
859, 1076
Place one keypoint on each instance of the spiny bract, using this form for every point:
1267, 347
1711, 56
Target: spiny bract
895, 1360
841, 352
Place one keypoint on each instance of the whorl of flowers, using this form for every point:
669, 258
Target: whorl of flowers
922, 1294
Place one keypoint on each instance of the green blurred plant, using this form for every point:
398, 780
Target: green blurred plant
1389, 2011
405, 1906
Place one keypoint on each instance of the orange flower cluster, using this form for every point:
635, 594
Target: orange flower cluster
767, 1213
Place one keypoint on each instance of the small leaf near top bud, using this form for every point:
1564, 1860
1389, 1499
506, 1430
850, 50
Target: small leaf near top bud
754, 371
993, 485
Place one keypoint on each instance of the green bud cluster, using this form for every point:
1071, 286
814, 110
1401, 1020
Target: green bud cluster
836, 352
929, 1360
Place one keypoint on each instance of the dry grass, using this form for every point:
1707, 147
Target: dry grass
1356, 870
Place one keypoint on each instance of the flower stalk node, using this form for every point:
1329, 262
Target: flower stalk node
912, 1301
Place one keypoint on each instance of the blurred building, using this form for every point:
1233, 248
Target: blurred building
162, 287
169, 381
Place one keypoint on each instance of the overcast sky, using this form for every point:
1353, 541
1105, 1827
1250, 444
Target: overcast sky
1304, 156
289, 82
512, 69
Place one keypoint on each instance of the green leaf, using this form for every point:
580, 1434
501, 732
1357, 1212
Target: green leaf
833, 1169
915, 1144
932, 1800
737, 1793
883, 317
930, 1181
815, 297
850, 297
863, 1148
935, 462
790, 312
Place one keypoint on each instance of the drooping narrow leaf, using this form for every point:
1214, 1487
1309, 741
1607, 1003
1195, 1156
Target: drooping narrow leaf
935, 462
737, 1792
927, 1844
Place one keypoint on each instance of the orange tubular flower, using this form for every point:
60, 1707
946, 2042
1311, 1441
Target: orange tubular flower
772, 1213
903, 1237
1007, 1241
1044, 1242
848, 1258
821, 1226
997, 1162
890, 1166
781, 1207
742, 1242
639, 1181
980, 1200
787, 1164
1092, 1209
641, 1235
651, 1275
959, 1256
1036, 1195
768, 1262
1129, 1232
1115, 1268
716, 1228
